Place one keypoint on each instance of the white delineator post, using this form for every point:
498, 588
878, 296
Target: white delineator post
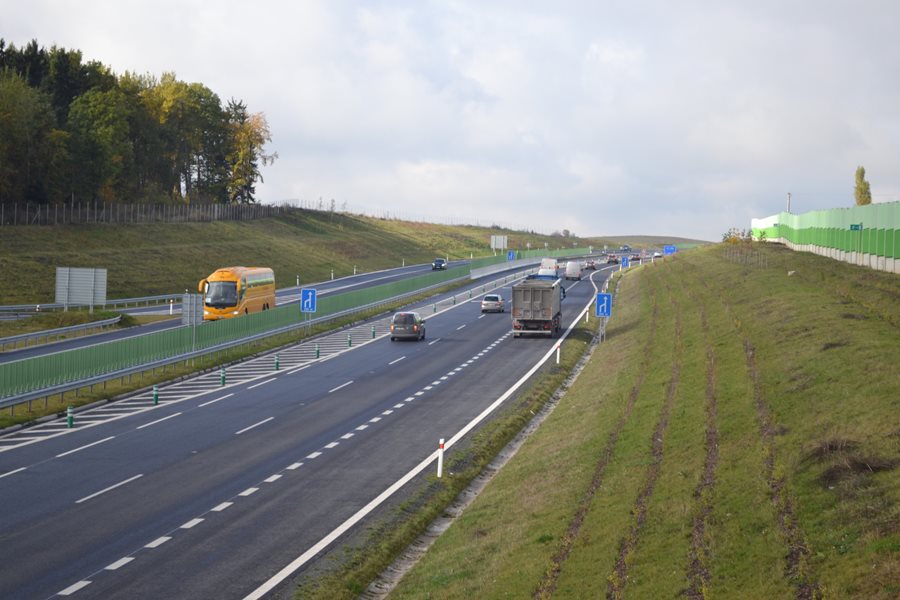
440, 457
557, 354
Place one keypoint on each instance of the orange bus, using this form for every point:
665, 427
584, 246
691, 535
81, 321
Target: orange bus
234, 291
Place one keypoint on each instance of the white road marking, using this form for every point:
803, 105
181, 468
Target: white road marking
313, 455
444, 378
461, 327
158, 421
112, 487
295, 466
85, 446
216, 400
20, 469
252, 426
272, 478
433, 342
387, 412
221, 507
401, 405
347, 436
331, 445
248, 491
192, 523
396, 360
419, 393
250, 387
119, 563
158, 542
74, 588
343, 385
361, 427
410, 399
427, 387
374, 419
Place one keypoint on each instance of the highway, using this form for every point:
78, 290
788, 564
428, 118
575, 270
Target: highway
283, 296
217, 488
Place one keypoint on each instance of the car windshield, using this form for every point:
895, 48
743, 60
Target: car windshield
492, 298
221, 294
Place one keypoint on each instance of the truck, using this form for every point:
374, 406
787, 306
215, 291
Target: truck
536, 306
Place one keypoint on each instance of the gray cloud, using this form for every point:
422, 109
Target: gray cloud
650, 117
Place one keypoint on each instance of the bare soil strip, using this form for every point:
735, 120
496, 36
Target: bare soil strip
698, 559
617, 580
547, 585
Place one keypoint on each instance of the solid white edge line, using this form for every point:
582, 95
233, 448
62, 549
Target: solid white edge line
112, 487
216, 400
13, 472
79, 449
250, 387
343, 385
378, 500
252, 426
158, 420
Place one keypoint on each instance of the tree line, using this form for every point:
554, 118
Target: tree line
73, 131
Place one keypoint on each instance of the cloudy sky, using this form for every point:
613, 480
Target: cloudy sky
602, 117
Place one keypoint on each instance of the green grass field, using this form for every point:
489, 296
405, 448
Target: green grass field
737, 436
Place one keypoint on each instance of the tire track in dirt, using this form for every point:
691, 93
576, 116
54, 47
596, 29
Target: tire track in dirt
547, 585
797, 569
618, 579
698, 557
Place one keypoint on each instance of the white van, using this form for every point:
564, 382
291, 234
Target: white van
548, 268
573, 270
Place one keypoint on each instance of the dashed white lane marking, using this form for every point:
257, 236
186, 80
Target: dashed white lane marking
343, 385
192, 523
347, 436
250, 387
396, 360
410, 399
427, 387
361, 427
248, 491
13, 472
74, 588
158, 421
313, 455
461, 327
399, 405
112, 487
80, 448
444, 378
272, 478
331, 445
158, 542
419, 393
252, 426
221, 507
387, 412
294, 466
119, 563
216, 400
481, 316
433, 342
374, 419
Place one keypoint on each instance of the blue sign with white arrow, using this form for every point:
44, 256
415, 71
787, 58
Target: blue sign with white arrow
625, 262
669, 250
510, 255
603, 306
308, 300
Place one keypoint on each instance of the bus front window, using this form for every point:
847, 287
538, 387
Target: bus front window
221, 294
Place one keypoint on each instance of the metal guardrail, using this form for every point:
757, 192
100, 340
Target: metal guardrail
146, 300
55, 333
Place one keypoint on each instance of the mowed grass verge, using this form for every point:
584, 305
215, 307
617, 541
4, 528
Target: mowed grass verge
736, 436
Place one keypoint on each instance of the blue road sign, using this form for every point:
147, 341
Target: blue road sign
603, 305
669, 250
625, 262
510, 255
308, 300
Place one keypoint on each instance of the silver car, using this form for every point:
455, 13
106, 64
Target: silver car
493, 303
407, 326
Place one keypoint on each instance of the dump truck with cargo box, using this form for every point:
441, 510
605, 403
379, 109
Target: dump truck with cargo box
536, 306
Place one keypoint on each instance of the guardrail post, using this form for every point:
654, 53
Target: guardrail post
155, 394
317, 350
373, 332
70, 417
222, 376
354, 269
277, 363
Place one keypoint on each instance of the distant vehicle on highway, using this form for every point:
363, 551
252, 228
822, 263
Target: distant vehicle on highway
407, 326
657, 255
548, 268
493, 303
233, 291
438, 264
573, 270
612, 259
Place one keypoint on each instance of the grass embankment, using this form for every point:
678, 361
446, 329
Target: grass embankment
144, 260
737, 436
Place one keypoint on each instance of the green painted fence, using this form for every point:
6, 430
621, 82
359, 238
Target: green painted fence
864, 235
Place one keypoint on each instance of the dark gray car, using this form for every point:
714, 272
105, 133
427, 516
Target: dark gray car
407, 326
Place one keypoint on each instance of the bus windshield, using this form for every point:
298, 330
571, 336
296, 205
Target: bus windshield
221, 294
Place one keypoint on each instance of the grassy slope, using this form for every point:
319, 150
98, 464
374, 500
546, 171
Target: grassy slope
798, 368
156, 259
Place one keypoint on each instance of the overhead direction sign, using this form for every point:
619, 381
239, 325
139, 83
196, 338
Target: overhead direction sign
603, 305
308, 300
